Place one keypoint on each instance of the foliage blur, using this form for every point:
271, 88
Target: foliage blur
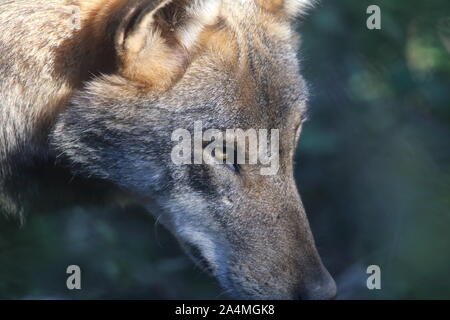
373, 169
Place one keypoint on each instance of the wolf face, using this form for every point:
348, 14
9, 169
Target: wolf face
144, 69
229, 64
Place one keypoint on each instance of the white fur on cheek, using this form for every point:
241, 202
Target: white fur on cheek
192, 227
203, 242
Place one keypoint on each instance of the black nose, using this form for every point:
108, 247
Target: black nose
322, 287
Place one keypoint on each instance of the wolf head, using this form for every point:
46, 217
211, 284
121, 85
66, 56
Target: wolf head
229, 64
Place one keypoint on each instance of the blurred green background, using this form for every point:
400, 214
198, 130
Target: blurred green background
373, 169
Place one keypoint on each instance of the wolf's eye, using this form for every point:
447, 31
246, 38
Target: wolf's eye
228, 157
219, 155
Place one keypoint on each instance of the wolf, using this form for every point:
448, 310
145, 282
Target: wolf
102, 91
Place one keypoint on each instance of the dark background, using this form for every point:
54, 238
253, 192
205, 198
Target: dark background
373, 169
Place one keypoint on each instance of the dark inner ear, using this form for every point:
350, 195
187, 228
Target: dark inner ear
172, 14
169, 18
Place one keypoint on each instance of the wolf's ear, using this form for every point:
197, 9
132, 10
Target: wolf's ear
289, 8
157, 39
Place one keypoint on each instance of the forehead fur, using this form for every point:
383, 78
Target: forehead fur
253, 41
244, 24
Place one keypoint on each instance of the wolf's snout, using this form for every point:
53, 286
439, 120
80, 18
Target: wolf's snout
322, 287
